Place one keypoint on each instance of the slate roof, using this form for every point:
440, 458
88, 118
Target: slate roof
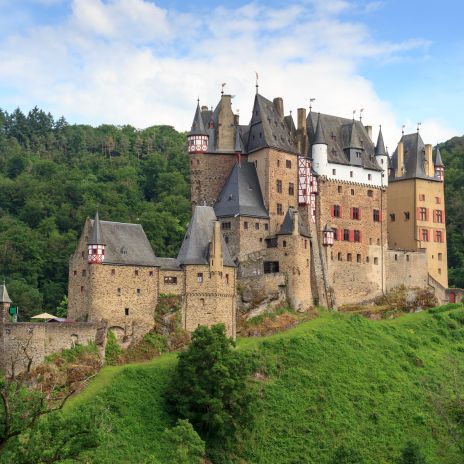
341, 134
126, 244
414, 157
96, 237
319, 137
198, 126
241, 195
167, 264
287, 225
4, 297
268, 128
380, 147
438, 160
195, 247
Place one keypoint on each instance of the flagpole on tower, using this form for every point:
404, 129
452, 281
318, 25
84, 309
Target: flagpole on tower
257, 84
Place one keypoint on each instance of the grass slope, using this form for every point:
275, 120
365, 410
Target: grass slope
337, 380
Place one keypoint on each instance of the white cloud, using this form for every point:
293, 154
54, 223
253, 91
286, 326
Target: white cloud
130, 61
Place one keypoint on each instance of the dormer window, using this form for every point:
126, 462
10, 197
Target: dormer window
123, 250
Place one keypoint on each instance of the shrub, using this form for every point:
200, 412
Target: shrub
185, 445
412, 455
112, 349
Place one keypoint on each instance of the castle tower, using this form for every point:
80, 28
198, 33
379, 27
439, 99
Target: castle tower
416, 205
382, 157
197, 138
95, 245
319, 149
5, 303
439, 166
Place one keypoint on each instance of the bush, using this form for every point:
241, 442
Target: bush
346, 455
209, 387
185, 445
112, 349
412, 455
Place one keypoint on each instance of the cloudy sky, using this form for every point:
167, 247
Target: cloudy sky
145, 62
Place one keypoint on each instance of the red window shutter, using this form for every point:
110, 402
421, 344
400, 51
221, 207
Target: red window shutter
360, 236
435, 236
434, 215
351, 213
418, 214
380, 215
351, 235
359, 213
426, 214
332, 211
443, 215
341, 211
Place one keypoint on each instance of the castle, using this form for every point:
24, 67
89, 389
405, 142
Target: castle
314, 213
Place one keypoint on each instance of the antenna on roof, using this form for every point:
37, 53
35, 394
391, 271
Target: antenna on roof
418, 124
198, 100
222, 87
402, 129
354, 112
360, 114
257, 84
311, 100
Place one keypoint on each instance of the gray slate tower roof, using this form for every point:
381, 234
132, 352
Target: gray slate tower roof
96, 238
414, 157
319, 137
4, 297
195, 247
438, 160
126, 244
238, 140
289, 220
380, 147
198, 126
241, 195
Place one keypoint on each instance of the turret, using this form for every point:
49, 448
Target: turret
400, 159
439, 166
197, 138
319, 149
5, 303
96, 245
381, 156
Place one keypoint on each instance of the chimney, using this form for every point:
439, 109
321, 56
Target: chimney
302, 119
369, 132
430, 171
237, 119
296, 228
400, 159
215, 251
204, 108
279, 106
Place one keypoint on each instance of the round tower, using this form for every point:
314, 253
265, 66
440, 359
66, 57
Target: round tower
382, 157
319, 149
96, 245
439, 166
197, 138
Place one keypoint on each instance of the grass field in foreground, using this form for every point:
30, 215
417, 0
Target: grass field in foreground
338, 380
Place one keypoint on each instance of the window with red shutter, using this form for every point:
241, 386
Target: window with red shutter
351, 235
332, 211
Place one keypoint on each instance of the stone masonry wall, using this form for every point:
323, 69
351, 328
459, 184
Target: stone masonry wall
356, 270
166, 286
208, 174
210, 301
38, 340
126, 296
407, 268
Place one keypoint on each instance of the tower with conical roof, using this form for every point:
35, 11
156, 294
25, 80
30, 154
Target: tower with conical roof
197, 138
5, 303
439, 166
96, 245
319, 148
382, 157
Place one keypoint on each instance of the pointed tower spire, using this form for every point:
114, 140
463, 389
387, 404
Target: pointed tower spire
439, 166
5, 303
319, 137
4, 297
380, 147
198, 127
438, 160
96, 245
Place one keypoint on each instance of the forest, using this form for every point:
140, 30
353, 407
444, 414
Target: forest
53, 175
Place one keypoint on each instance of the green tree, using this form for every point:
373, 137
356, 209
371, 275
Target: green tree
411, 454
209, 387
346, 455
184, 444
62, 309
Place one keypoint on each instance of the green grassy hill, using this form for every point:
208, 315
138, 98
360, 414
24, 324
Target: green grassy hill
335, 381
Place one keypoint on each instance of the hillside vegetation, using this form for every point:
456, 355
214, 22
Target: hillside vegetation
337, 385
53, 175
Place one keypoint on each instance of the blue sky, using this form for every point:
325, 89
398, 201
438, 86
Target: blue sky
145, 62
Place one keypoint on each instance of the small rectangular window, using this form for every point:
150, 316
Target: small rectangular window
358, 258
356, 213
437, 200
406, 215
150, 273
227, 279
421, 197
84, 272
334, 172
279, 209
340, 189
225, 226
245, 225
257, 225
200, 277
392, 217
266, 226
119, 291
376, 260
82, 289
170, 280
357, 235
346, 235
291, 189
138, 291
126, 311
75, 272
351, 174
288, 164
113, 271
349, 257
279, 186
369, 177
136, 272
271, 267
336, 211
376, 215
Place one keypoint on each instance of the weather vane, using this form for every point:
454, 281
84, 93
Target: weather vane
418, 124
360, 114
311, 101
354, 112
402, 129
222, 87
257, 83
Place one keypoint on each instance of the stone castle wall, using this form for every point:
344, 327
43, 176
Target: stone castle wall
406, 268
22, 341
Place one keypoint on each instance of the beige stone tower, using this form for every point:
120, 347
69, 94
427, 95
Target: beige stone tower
416, 204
